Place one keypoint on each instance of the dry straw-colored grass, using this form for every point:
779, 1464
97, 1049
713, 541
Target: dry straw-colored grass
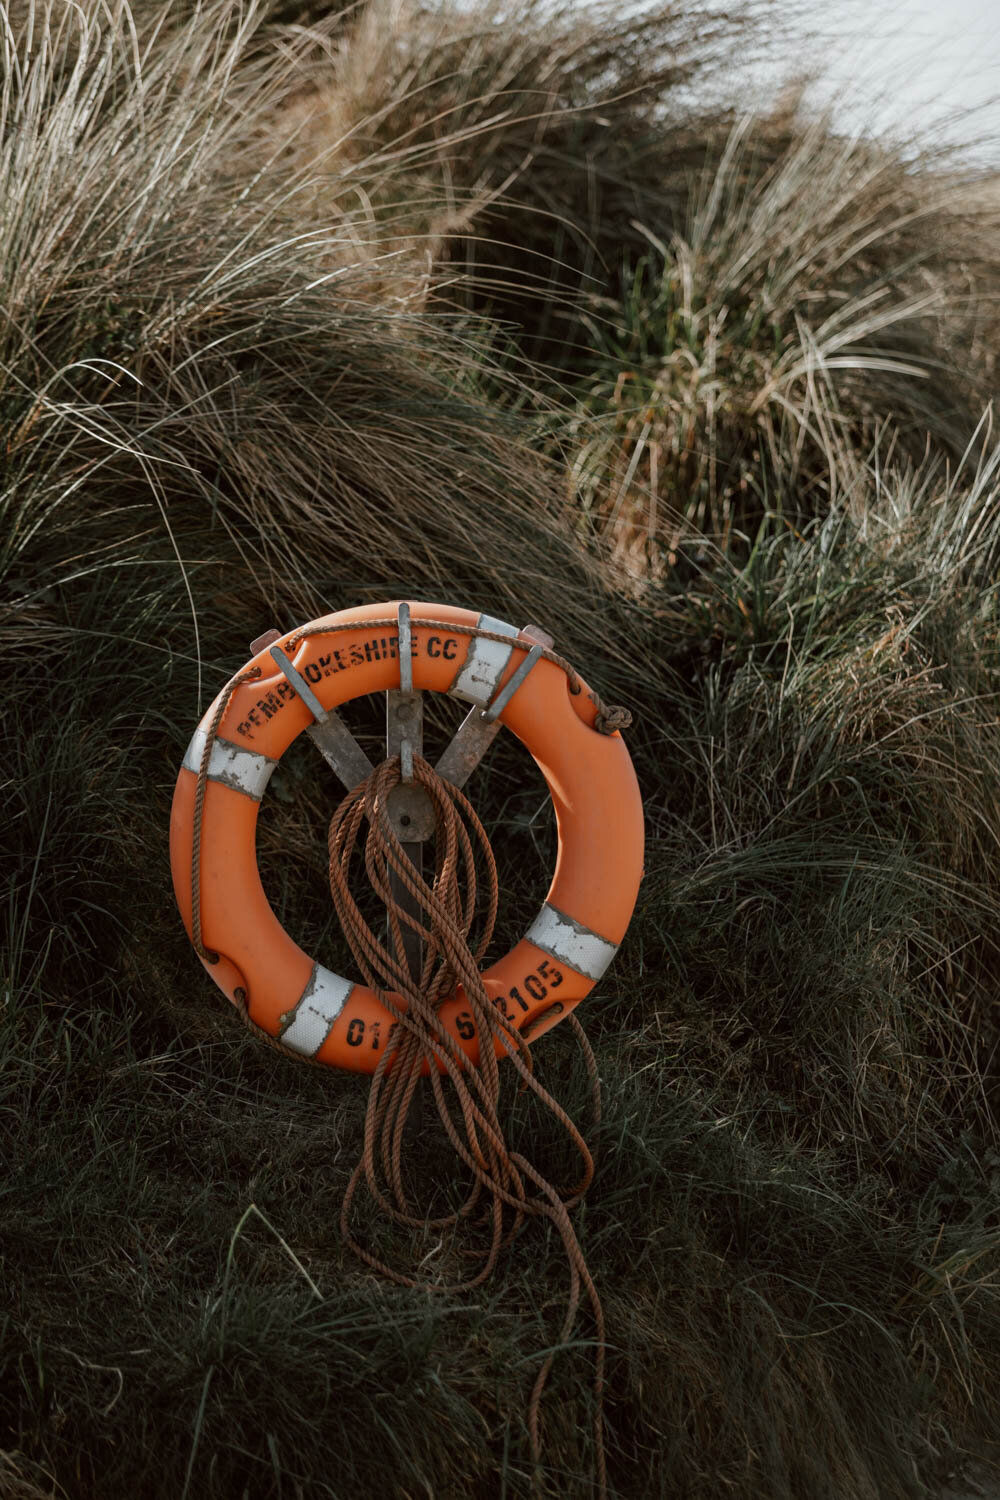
738, 304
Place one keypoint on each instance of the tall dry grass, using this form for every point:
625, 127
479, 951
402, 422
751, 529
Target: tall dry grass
501, 311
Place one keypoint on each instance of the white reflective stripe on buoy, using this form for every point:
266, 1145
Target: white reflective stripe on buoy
311, 1019
485, 664
571, 942
243, 770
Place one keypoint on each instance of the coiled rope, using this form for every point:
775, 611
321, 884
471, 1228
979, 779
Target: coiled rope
509, 1186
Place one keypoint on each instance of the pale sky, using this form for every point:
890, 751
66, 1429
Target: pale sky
911, 62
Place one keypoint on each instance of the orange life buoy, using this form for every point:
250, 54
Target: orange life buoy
568, 946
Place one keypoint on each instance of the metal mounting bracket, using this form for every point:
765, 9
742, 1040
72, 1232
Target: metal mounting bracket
480, 727
336, 742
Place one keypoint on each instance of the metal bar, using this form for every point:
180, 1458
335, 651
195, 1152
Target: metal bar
330, 734
404, 709
405, 647
404, 727
298, 682
506, 693
341, 750
409, 807
410, 810
469, 744
479, 729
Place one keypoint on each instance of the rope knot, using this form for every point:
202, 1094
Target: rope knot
612, 717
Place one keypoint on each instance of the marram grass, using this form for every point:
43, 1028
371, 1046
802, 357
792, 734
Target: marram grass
251, 371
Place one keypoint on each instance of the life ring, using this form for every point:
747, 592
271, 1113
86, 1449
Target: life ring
590, 777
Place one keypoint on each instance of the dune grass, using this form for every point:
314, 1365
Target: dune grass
500, 312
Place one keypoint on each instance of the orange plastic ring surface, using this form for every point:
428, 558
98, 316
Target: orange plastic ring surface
589, 775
